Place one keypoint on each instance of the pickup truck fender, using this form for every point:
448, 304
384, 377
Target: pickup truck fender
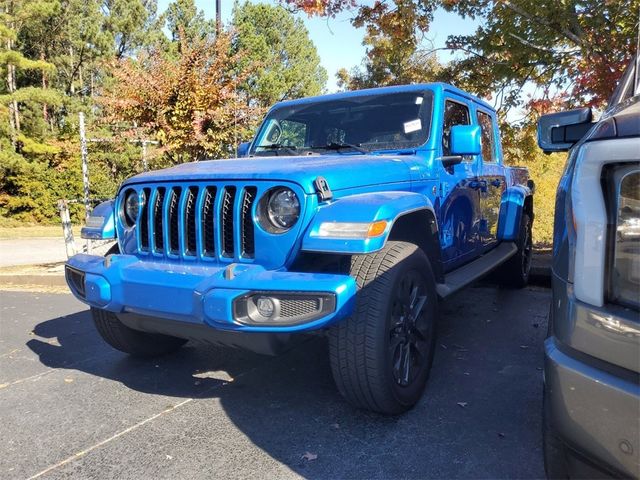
410, 217
515, 200
101, 223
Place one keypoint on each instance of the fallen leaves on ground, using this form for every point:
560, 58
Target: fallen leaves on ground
308, 456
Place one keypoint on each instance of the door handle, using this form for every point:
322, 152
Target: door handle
478, 185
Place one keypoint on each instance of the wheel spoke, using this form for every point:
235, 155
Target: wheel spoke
413, 296
419, 334
397, 360
418, 354
406, 363
394, 342
416, 309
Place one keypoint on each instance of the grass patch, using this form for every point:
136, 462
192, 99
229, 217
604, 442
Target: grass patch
20, 230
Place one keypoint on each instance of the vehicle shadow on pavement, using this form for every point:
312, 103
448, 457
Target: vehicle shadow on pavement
192, 371
479, 417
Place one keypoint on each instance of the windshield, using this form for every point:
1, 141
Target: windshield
357, 124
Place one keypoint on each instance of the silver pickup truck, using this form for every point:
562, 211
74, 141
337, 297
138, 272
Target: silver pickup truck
592, 353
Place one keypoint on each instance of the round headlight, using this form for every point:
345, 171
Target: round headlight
282, 209
132, 207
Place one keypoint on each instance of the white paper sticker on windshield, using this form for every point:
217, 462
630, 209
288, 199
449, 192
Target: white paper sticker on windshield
419, 100
412, 126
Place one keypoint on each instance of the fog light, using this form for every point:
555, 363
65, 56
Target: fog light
282, 308
266, 307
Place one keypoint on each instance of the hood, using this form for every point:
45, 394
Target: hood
340, 171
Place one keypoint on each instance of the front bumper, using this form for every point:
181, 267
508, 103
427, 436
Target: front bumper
593, 411
200, 295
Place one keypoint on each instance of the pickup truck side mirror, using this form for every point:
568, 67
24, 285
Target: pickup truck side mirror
243, 149
558, 132
465, 140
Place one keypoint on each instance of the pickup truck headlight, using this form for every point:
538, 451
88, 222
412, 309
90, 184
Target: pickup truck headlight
279, 210
625, 274
133, 202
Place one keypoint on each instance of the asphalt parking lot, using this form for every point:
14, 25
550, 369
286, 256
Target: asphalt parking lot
72, 406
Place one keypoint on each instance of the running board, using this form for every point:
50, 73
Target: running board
470, 272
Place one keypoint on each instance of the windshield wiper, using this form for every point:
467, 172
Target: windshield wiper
339, 146
275, 147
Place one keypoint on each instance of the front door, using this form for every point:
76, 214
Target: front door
459, 210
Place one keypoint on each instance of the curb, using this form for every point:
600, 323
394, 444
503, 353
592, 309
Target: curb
34, 279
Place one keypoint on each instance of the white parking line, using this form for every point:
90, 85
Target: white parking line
139, 424
113, 437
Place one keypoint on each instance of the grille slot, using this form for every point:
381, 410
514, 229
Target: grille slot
246, 226
226, 220
174, 234
190, 219
144, 221
208, 222
158, 220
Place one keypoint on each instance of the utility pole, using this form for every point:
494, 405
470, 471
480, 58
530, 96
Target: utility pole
85, 166
218, 17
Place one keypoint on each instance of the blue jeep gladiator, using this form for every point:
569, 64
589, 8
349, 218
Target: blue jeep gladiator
349, 215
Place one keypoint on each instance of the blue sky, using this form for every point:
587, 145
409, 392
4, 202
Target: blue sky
339, 44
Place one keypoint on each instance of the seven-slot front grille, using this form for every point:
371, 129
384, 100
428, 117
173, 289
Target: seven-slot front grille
197, 221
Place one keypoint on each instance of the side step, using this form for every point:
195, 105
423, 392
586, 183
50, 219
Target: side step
470, 272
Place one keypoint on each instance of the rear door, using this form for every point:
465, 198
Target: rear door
492, 179
459, 196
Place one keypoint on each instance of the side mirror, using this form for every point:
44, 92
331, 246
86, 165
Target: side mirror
558, 132
243, 149
465, 140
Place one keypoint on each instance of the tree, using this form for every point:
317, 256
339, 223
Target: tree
13, 63
192, 104
579, 48
52, 55
186, 23
280, 44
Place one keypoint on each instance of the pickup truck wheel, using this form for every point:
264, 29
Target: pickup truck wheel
382, 355
515, 272
133, 342
128, 340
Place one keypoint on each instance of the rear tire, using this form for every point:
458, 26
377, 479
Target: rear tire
381, 356
128, 340
514, 273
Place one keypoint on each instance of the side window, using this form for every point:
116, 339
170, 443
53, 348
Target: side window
488, 137
454, 114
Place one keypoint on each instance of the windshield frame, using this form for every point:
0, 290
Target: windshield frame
429, 98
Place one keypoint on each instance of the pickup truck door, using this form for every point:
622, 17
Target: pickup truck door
459, 195
492, 177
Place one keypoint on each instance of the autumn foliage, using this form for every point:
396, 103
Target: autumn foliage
192, 104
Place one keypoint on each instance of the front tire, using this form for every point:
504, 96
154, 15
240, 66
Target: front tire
381, 356
128, 340
133, 342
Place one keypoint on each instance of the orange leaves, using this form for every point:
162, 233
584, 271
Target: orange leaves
191, 103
